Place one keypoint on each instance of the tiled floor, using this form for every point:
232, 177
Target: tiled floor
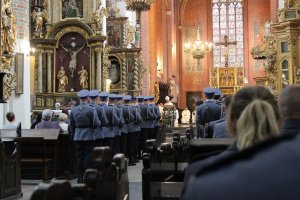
135, 184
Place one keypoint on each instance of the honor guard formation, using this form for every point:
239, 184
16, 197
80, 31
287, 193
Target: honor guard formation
120, 122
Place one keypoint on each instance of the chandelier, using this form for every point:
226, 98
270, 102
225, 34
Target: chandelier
138, 6
199, 48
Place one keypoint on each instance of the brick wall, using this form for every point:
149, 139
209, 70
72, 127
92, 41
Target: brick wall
21, 8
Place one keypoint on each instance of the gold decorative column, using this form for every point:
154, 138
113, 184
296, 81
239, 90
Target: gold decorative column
98, 51
40, 71
106, 64
49, 71
124, 72
136, 72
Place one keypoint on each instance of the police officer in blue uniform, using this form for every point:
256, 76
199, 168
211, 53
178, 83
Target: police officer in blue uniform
112, 118
207, 112
135, 128
154, 116
144, 125
83, 120
116, 126
123, 129
94, 95
218, 96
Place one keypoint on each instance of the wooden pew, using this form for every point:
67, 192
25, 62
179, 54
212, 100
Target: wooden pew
108, 179
108, 173
163, 167
39, 151
10, 173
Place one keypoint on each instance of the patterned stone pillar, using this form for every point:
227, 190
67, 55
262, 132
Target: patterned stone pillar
40, 71
98, 67
49, 73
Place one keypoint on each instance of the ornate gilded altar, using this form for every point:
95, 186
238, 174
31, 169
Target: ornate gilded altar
71, 54
227, 79
7, 41
279, 49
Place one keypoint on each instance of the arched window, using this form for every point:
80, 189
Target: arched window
228, 20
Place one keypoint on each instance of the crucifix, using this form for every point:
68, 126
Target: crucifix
226, 43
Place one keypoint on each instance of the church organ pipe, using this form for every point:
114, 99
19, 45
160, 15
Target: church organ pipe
40, 71
98, 73
49, 78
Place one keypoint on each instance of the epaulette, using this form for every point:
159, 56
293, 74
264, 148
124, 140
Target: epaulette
246, 153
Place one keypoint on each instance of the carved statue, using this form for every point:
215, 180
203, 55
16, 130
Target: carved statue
73, 56
98, 15
156, 92
130, 35
62, 80
288, 3
39, 18
83, 78
8, 31
113, 11
137, 35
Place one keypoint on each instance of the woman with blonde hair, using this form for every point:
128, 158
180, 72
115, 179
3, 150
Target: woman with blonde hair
253, 116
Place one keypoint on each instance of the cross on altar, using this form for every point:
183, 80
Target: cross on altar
226, 43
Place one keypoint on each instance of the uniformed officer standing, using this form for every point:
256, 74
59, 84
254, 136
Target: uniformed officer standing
83, 120
116, 127
144, 125
207, 112
123, 129
112, 118
153, 120
157, 119
218, 96
94, 95
136, 128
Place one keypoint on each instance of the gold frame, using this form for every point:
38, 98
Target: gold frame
19, 68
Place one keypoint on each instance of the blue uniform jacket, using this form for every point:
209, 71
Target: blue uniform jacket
112, 118
83, 120
103, 120
207, 112
137, 119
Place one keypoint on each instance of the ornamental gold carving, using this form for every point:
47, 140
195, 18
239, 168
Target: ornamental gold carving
98, 15
39, 17
8, 28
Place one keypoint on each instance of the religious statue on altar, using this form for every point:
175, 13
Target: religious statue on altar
83, 78
98, 15
156, 92
8, 36
39, 18
186, 115
73, 56
62, 80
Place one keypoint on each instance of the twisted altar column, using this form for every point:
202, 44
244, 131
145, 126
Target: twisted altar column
40, 71
98, 67
49, 74
136, 73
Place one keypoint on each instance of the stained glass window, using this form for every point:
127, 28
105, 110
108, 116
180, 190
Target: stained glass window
228, 20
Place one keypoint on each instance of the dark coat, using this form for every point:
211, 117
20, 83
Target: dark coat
268, 170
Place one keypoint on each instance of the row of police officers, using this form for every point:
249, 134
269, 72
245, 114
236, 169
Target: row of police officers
103, 119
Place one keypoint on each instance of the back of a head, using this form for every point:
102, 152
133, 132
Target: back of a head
227, 101
289, 104
253, 116
10, 116
47, 114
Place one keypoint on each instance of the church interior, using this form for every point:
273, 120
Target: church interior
174, 54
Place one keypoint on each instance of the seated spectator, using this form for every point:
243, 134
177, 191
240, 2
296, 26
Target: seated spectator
252, 117
289, 106
10, 116
62, 118
46, 121
37, 120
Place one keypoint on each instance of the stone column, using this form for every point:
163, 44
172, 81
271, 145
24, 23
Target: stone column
40, 71
98, 67
49, 73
